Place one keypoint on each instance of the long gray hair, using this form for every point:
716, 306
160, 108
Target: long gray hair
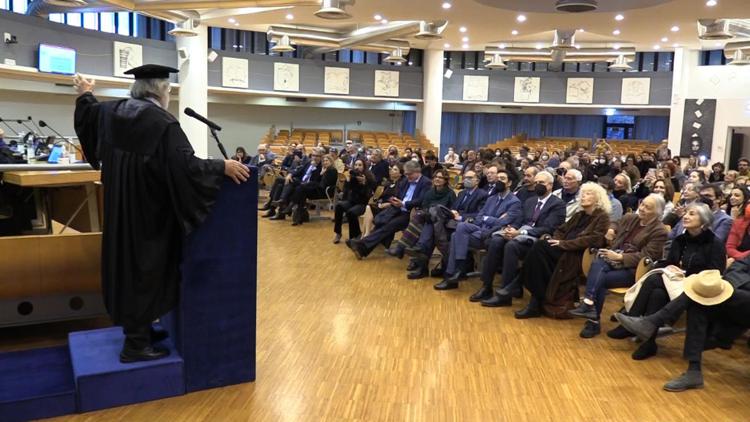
149, 88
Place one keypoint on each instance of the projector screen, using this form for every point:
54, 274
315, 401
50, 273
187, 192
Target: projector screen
56, 59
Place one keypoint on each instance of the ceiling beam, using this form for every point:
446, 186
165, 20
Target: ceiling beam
232, 4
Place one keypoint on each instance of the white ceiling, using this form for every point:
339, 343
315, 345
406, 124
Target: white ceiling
644, 25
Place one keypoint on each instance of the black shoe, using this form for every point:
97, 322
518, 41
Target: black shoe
337, 239
458, 276
128, 355
418, 273
358, 248
619, 333
158, 336
265, 207
413, 263
645, 350
416, 252
516, 293
498, 301
483, 293
270, 213
396, 251
590, 329
446, 284
438, 272
584, 310
530, 311
278, 217
713, 343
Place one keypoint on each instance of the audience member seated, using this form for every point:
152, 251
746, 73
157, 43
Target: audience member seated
743, 167
395, 217
431, 165
552, 269
712, 196
663, 153
570, 192
451, 157
717, 173
309, 175
542, 213
665, 189
281, 189
718, 311
471, 160
241, 155
439, 195
358, 188
737, 199
526, 188
729, 182
608, 185
738, 242
340, 167
690, 193
390, 189
501, 209
630, 169
324, 188
695, 250
350, 154
623, 193
489, 181
638, 235
378, 166
437, 231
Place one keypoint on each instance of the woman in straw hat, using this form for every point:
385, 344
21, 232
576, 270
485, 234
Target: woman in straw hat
695, 250
713, 302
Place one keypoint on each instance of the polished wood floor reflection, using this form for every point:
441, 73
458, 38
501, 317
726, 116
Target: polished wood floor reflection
341, 339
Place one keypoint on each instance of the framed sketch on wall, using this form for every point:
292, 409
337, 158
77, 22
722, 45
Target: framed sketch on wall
526, 90
580, 91
635, 90
386, 83
234, 72
286, 77
336, 80
126, 57
476, 88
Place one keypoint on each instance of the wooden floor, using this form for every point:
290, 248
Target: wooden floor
341, 339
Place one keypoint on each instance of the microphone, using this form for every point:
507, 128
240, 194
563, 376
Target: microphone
190, 112
9, 126
42, 123
35, 125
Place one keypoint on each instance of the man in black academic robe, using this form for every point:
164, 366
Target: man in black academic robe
155, 192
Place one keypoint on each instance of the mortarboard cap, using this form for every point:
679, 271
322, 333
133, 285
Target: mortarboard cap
151, 71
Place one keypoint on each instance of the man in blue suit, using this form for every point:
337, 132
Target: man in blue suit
437, 233
501, 210
542, 214
396, 217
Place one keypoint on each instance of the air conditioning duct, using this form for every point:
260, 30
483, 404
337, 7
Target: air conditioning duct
564, 39
576, 6
396, 56
620, 63
723, 29
283, 45
431, 30
334, 9
495, 62
738, 52
185, 28
330, 40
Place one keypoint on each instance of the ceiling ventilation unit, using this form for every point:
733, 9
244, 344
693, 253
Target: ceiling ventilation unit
620, 63
723, 29
186, 28
396, 56
283, 45
563, 40
576, 6
334, 9
431, 30
738, 52
494, 61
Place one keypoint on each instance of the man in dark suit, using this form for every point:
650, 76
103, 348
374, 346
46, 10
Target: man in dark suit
490, 174
500, 210
430, 165
351, 155
396, 217
307, 174
378, 166
437, 233
542, 214
525, 190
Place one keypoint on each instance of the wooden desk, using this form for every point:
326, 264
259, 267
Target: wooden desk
49, 179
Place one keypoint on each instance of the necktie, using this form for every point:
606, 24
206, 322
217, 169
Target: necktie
491, 188
537, 211
463, 200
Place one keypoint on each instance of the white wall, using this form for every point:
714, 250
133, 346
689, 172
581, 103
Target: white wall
729, 85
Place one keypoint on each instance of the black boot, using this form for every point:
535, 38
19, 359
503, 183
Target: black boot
419, 272
413, 263
532, 310
484, 292
396, 251
297, 215
438, 272
266, 206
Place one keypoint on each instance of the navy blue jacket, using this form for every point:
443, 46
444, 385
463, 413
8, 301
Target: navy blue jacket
423, 185
472, 204
499, 212
550, 218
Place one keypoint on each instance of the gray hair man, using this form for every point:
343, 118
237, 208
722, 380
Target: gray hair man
570, 193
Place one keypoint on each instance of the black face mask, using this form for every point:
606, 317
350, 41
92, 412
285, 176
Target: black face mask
500, 186
540, 190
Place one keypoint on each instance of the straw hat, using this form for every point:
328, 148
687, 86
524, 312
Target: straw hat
708, 288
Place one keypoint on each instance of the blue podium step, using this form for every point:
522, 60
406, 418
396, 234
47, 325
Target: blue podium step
36, 384
102, 381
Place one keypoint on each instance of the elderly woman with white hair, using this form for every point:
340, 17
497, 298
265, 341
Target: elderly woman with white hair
552, 269
638, 235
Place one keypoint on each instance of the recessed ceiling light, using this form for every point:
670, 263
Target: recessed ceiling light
656, 47
675, 45
616, 46
447, 5
465, 39
232, 20
465, 46
462, 29
378, 17
501, 46
514, 32
664, 39
521, 18
236, 24
581, 30
619, 17
711, 3
289, 16
384, 21
538, 46
578, 46
616, 32
674, 28
718, 44
446, 45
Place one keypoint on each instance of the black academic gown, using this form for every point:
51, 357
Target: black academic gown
155, 192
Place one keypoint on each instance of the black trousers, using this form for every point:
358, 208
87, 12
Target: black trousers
538, 268
276, 189
503, 255
352, 211
723, 321
305, 191
137, 336
387, 229
651, 298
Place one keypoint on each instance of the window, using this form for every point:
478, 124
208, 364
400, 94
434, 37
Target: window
470, 60
570, 67
648, 62
665, 62
107, 22
73, 19
541, 66
358, 56
91, 21
123, 23
525, 67
19, 6
57, 17
586, 67
345, 56
456, 60
601, 67
512, 66
371, 58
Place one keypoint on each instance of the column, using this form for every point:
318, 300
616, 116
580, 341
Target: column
429, 114
193, 78
684, 62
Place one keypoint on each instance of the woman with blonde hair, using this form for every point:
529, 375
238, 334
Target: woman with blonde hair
552, 269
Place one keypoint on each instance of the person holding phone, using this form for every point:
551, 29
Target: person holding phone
638, 235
